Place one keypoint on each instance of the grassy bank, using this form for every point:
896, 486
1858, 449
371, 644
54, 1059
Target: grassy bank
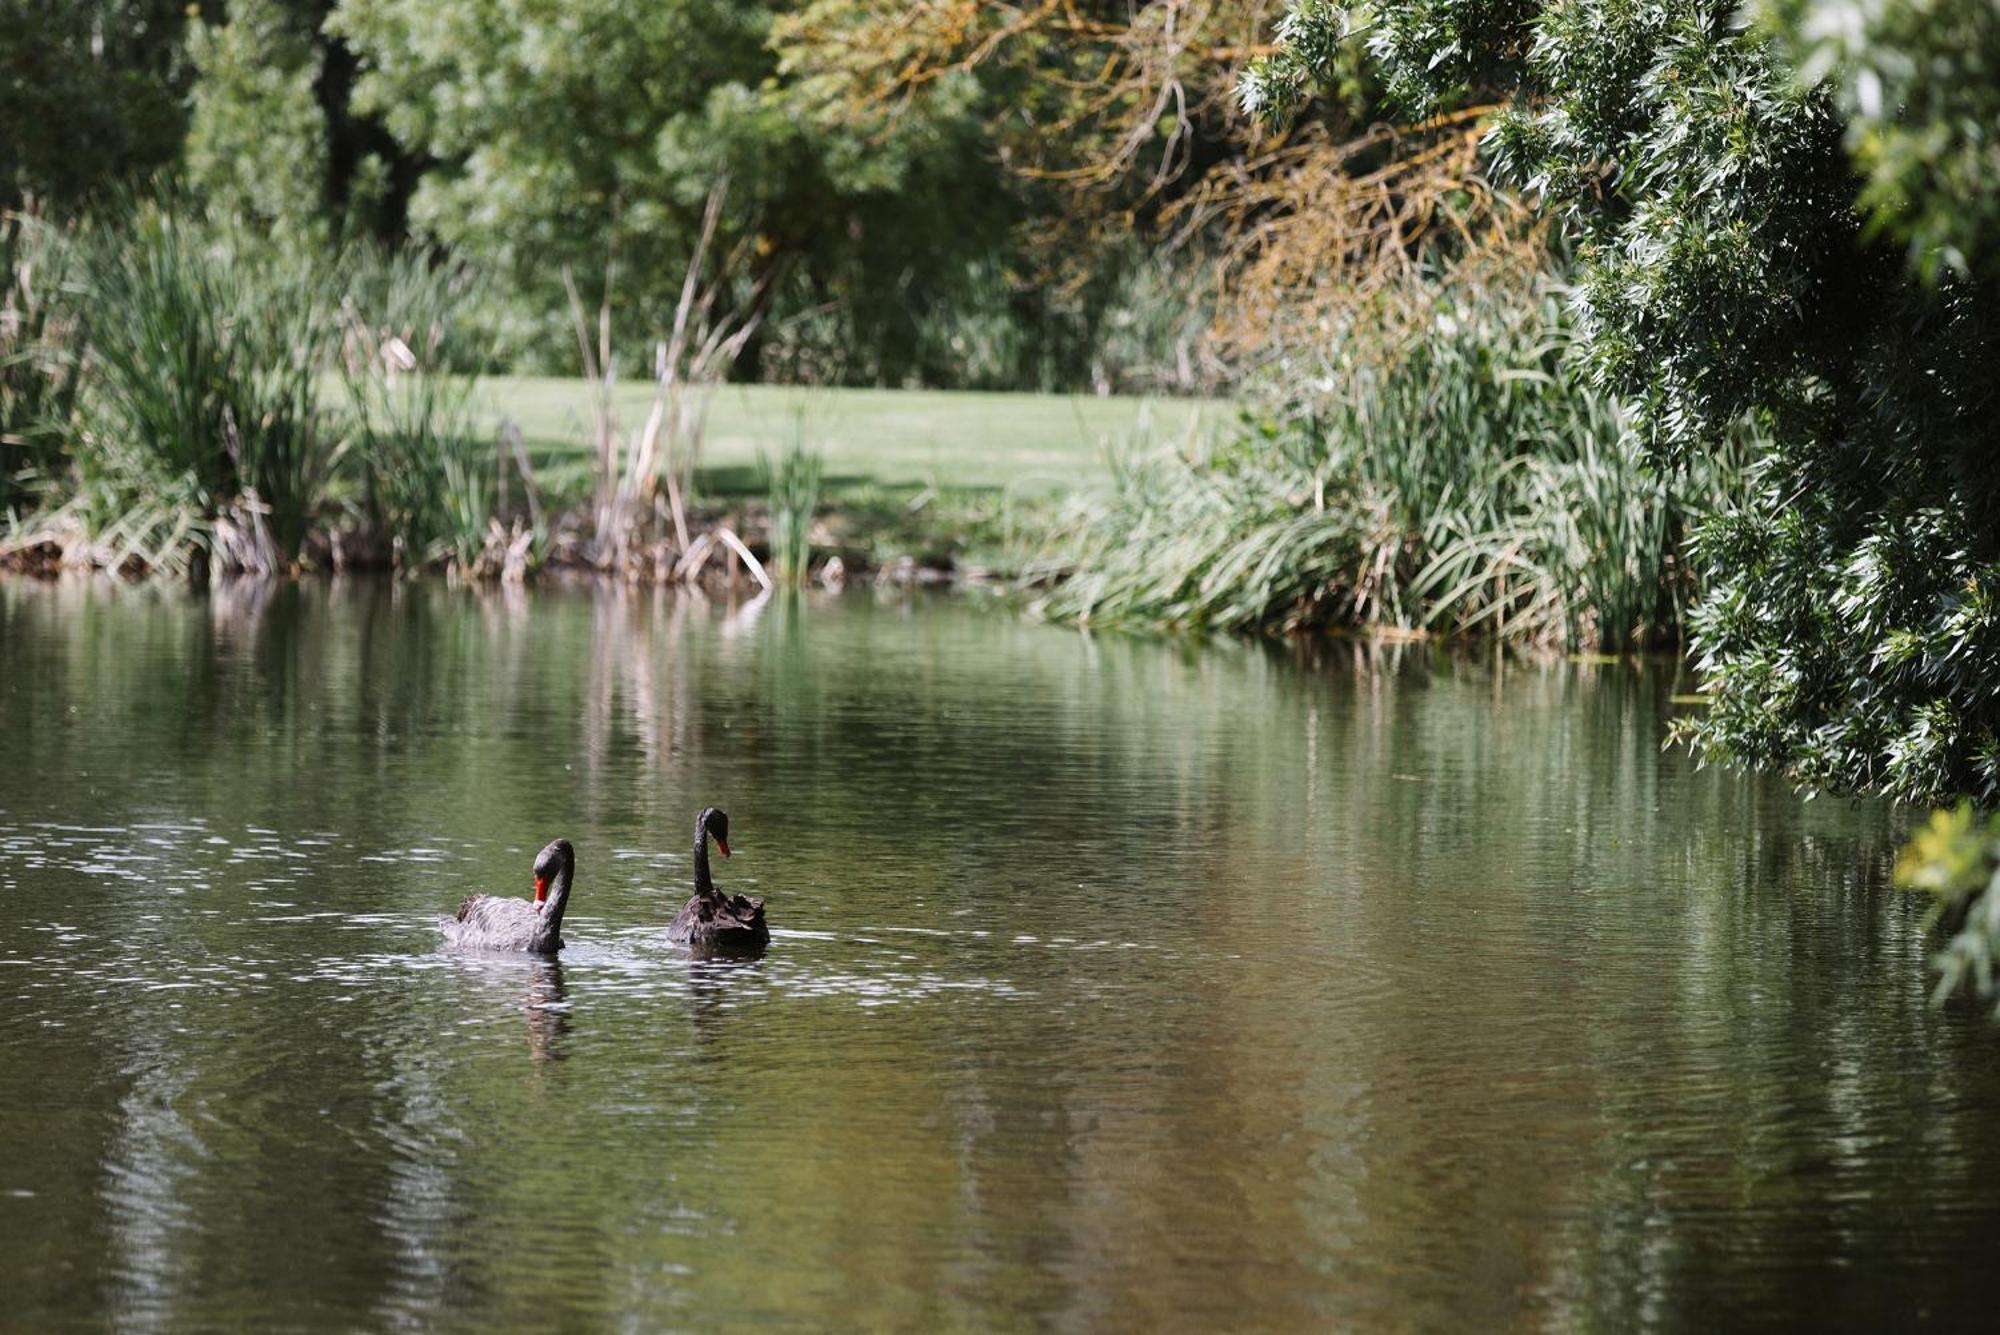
179, 397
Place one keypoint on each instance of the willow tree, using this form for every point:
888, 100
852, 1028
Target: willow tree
1726, 269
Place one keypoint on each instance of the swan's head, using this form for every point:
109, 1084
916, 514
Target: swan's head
548, 862
714, 822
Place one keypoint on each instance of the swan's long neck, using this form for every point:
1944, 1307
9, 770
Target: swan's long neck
703, 886
550, 926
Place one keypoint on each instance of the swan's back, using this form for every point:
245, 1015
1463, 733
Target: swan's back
733, 920
492, 923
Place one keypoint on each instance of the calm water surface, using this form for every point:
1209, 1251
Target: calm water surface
1116, 985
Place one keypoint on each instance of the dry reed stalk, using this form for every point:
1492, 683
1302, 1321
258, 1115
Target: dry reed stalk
696, 355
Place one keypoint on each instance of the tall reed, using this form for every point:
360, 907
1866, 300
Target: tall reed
1466, 482
713, 322
202, 405
792, 487
427, 478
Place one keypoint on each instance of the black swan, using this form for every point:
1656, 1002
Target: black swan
492, 923
712, 920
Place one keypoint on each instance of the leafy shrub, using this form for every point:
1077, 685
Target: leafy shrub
40, 358
1956, 860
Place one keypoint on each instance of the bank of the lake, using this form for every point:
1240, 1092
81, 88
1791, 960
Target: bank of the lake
911, 484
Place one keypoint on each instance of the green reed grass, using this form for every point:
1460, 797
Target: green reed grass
198, 431
1467, 483
792, 489
203, 390
427, 478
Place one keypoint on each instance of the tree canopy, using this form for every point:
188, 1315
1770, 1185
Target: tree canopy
1919, 84
91, 92
588, 135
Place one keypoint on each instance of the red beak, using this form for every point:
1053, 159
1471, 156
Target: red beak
541, 888
722, 844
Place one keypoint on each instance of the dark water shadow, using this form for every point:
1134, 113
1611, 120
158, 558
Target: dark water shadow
547, 1007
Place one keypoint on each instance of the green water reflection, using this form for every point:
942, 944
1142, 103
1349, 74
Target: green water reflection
1116, 985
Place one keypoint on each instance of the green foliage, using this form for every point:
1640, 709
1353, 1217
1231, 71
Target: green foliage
40, 358
1919, 83
205, 388
1956, 860
1429, 54
1467, 481
882, 238
589, 135
91, 94
1723, 274
792, 488
257, 138
993, 325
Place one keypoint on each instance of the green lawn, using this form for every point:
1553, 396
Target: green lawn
880, 439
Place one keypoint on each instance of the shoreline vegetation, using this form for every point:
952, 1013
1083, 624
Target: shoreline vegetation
264, 414
1443, 472
1447, 473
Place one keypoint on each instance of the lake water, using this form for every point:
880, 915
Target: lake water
1116, 985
